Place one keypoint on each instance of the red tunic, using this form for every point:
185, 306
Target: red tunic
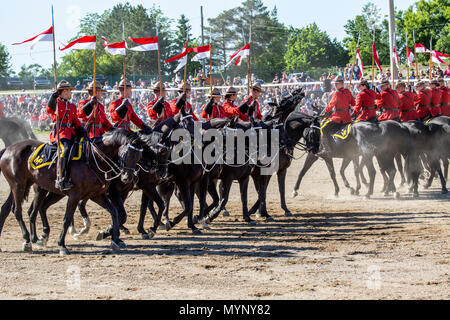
166, 114
68, 120
218, 112
422, 101
340, 106
407, 108
445, 103
256, 114
435, 108
129, 117
366, 107
97, 124
187, 108
389, 101
230, 109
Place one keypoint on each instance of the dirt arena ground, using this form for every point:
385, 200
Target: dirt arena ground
334, 248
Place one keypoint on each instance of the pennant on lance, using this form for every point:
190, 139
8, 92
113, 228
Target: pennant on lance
84, 43
44, 36
396, 58
145, 44
118, 48
360, 63
375, 57
202, 53
410, 57
420, 48
242, 53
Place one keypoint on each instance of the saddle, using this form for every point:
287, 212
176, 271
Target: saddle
345, 132
45, 155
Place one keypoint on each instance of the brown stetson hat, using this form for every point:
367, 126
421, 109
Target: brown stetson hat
257, 86
215, 93
181, 87
385, 81
401, 84
122, 84
231, 91
157, 87
435, 82
364, 82
98, 87
339, 79
65, 85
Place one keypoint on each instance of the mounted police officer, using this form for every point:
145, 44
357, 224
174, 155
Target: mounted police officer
213, 109
69, 127
121, 110
182, 101
435, 108
92, 113
388, 103
338, 114
407, 109
251, 105
158, 109
229, 106
422, 101
366, 107
445, 99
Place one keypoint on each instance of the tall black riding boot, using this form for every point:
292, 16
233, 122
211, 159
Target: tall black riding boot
64, 184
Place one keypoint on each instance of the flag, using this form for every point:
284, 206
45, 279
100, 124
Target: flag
84, 43
242, 53
360, 63
410, 57
183, 56
375, 57
440, 54
146, 44
436, 59
202, 52
420, 48
396, 58
44, 36
114, 49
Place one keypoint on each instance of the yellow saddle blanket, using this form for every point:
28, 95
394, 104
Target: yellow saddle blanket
343, 134
45, 155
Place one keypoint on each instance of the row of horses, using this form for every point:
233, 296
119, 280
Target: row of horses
120, 162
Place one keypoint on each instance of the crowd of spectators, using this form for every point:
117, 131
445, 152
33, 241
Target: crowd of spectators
32, 107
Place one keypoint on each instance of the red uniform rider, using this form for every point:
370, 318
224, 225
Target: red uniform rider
159, 110
92, 113
229, 106
407, 108
182, 99
121, 110
389, 102
213, 109
435, 108
366, 107
445, 100
252, 103
422, 101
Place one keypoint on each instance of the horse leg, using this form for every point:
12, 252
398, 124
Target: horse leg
215, 197
71, 206
142, 213
445, 165
330, 166
257, 183
107, 204
5, 211
435, 166
224, 195
357, 172
157, 217
398, 160
310, 159
281, 177
18, 194
40, 195
50, 200
243, 186
225, 212
262, 195
201, 194
345, 163
86, 221
367, 161
186, 199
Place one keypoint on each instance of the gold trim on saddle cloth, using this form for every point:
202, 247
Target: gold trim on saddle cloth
36, 161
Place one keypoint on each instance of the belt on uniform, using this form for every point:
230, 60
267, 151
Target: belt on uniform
65, 125
390, 109
369, 108
409, 110
124, 126
424, 105
435, 106
445, 104
96, 126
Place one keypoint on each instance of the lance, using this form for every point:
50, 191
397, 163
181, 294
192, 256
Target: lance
58, 148
249, 81
159, 59
407, 60
185, 69
354, 62
415, 55
431, 58
124, 64
373, 63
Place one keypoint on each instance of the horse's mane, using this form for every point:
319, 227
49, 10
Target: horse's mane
119, 137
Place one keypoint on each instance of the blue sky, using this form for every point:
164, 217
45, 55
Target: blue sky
26, 18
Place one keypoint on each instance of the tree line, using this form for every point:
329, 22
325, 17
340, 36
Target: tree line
275, 46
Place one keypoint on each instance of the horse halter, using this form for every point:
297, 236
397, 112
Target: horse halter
123, 155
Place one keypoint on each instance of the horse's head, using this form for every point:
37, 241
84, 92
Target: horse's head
156, 154
130, 154
312, 136
288, 103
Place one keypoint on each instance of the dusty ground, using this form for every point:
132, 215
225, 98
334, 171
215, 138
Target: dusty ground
344, 248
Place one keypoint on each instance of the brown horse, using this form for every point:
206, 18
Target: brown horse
90, 179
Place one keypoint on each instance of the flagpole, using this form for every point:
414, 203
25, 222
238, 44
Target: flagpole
58, 148
95, 62
210, 68
415, 56
124, 63
159, 59
354, 62
373, 63
249, 81
407, 60
431, 61
185, 70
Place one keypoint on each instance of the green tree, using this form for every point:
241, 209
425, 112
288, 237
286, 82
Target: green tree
310, 48
31, 71
4, 61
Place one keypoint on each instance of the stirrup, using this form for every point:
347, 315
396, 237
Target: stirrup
63, 185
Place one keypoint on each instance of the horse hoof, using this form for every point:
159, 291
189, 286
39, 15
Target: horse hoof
145, 236
205, 226
168, 226
72, 230
225, 213
195, 219
416, 195
122, 245
444, 191
294, 194
63, 252
100, 236
352, 191
288, 214
151, 233
270, 219
27, 247
196, 232
258, 215
115, 247
42, 242
251, 222
125, 231
397, 195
